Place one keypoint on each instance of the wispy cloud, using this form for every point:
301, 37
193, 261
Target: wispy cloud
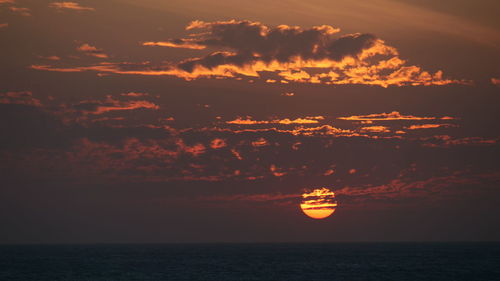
401, 187
53, 58
173, 44
429, 126
69, 6
26, 12
449, 141
111, 104
395, 115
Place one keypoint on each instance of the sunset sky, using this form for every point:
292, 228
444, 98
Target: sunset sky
206, 121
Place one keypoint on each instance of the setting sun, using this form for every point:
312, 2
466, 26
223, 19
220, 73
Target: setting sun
318, 204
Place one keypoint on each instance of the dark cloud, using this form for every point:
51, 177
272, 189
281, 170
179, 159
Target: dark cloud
350, 45
253, 41
281, 54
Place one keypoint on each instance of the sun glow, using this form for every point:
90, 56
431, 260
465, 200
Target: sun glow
318, 204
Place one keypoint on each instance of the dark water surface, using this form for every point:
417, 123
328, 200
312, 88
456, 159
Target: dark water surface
342, 261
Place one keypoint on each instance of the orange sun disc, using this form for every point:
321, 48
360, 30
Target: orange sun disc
318, 204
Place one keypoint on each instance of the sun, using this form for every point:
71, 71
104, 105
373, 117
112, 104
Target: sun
318, 204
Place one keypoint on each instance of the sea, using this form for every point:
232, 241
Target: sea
281, 261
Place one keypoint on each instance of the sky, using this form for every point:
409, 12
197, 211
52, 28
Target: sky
208, 121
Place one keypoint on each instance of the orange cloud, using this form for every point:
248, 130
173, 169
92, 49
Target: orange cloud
428, 126
3, 25
495, 81
91, 51
260, 142
315, 55
117, 68
329, 172
286, 121
183, 45
69, 6
395, 115
347, 59
305, 120
54, 58
194, 150
247, 121
324, 130
275, 171
110, 104
376, 129
21, 11
134, 94
236, 154
217, 143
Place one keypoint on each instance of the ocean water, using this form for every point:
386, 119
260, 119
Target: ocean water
219, 262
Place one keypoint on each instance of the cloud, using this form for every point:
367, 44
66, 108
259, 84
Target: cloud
260, 142
448, 141
236, 154
495, 81
217, 143
194, 150
247, 121
21, 11
401, 188
134, 94
428, 126
329, 172
7, 1
395, 115
69, 6
322, 130
376, 129
264, 197
275, 171
24, 98
292, 52
52, 58
318, 199
286, 121
129, 68
249, 50
4, 25
110, 104
113, 140
91, 51
181, 44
